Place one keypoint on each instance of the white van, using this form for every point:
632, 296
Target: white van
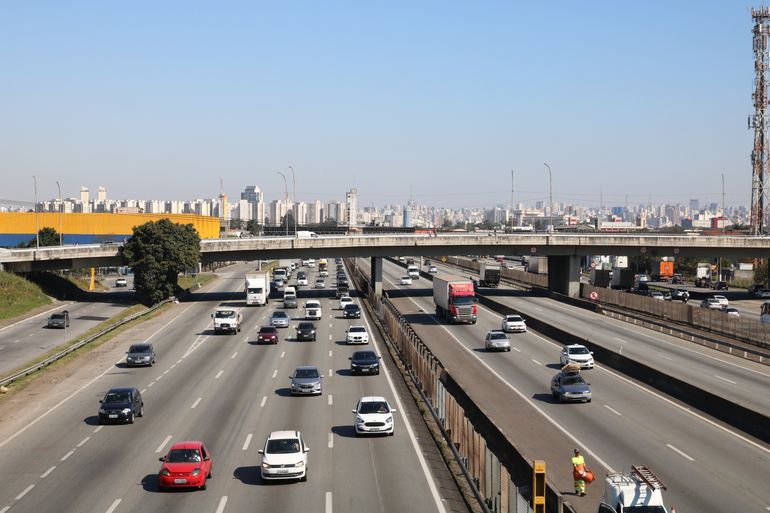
290, 297
413, 271
302, 234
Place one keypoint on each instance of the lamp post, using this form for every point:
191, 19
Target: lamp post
286, 192
37, 227
550, 195
294, 193
61, 207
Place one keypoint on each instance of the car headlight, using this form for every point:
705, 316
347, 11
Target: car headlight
389, 420
126, 410
359, 419
102, 411
299, 464
265, 465
165, 472
353, 364
196, 472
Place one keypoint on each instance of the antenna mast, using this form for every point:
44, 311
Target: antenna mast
759, 173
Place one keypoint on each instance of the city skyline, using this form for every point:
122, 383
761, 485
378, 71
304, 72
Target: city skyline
438, 107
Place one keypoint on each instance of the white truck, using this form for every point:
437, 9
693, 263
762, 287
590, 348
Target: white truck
227, 319
257, 288
413, 271
489, 274
636, 492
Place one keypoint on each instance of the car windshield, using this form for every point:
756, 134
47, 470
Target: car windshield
266, 329
578, 350
357, 329
282, 446
497, 336
351, 307
116, 397
183, 456
305, 326
572, 380
374, 407
279, 315
57, 316
464, 300
312, 304
225, 314
143, 348
255, 290
306, 373
513, 318
364, 355
406, 278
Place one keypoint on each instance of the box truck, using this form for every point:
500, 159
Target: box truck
257, 288
454, 298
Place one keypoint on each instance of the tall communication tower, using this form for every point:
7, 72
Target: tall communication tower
759, 122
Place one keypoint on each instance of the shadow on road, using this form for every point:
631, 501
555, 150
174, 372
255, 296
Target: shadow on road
248, 475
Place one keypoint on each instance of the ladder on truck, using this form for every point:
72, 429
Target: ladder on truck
648, 476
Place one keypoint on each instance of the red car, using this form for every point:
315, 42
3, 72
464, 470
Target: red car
267, 335
187, 465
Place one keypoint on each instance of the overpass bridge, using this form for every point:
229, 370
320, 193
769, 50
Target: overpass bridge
563, 250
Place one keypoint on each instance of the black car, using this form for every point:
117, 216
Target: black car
59, 320
364, 362
306, 331
342, 290
121, 405
351, 311
719, 285
680, 295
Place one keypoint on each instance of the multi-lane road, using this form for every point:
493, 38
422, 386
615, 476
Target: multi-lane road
228, 392
707, 467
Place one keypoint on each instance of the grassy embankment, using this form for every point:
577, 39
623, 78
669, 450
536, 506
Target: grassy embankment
18, 296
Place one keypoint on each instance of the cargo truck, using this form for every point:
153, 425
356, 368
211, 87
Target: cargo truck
703, 275
454, 298
537, 265
600, 277
257, 288
413, 271
666, 270
639, 490
489, 275
622, 278
226, 320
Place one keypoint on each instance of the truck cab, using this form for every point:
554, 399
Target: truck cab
227, 320
636, 492
413, 271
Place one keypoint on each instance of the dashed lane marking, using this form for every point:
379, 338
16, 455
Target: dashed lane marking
275, 373
25, 492
98, 429
83, 441
222, 503
283, 354
248, 441
613, 410
64, 458
262, 403
536, 361
681, 453
114, 505
331, 400
163, 444
725, 379
328, 506
219, 374
47, 472
234, 355
331, 441
198, 400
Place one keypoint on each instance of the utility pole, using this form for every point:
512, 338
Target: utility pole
294, 193
511, 197
37, 224
286, 191
61, 207
758, 121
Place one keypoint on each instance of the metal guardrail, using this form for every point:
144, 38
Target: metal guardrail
61, 354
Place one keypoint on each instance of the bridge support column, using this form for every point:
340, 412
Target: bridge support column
376, 278
564, 275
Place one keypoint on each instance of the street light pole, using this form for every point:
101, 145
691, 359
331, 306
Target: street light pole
37, 226
550, 193
286, 192
61, 236
294, 193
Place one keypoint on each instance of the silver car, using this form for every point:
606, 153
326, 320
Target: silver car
306, 380
140, 354
279, 319
497, 341
59, 320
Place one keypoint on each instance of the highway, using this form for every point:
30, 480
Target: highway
25, 340
706, 467
228, 392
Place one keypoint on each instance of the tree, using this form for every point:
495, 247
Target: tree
158, 251
253, 227
47, 235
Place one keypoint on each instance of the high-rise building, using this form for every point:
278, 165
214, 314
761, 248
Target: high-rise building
334, 211
351, 207
694, 205
314, 213
101, 194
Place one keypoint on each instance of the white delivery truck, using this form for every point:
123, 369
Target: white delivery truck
227, 320
637, 491
413, 271
257, 287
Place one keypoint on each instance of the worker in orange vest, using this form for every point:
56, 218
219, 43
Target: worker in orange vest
578, 473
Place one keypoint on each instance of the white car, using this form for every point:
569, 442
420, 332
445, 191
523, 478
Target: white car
324, 273
497, 341
302, 281
373, 415
711, 302
313, 310
320, 284
284, 456
432, 269
513, 323
406, 280
579, 354
657, 295
732, 312
345, 300
357, 335
722, 300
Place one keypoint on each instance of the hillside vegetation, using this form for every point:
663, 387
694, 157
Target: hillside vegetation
18, 296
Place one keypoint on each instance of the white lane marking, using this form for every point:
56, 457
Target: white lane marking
179, 361
613, 410
166, 371
219, 374
330, 352
619, 340
143, 391
330, 337
262, 403
725, 379
171, 367
159, 378
680, 453
222, 503
328, 505
248, 441
331, 440
8, 507
234, 355
83, 441
47, 472
665, 357
150, 385
114, 505
330, 324
283, 354
516, 349
331, 400
538, 363
64, 458
330, 372
198, 400
247, 338
163, 443
98, 429
275, 373
25, 492
407, 424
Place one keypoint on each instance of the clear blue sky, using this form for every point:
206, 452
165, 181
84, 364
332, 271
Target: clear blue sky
159, 100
